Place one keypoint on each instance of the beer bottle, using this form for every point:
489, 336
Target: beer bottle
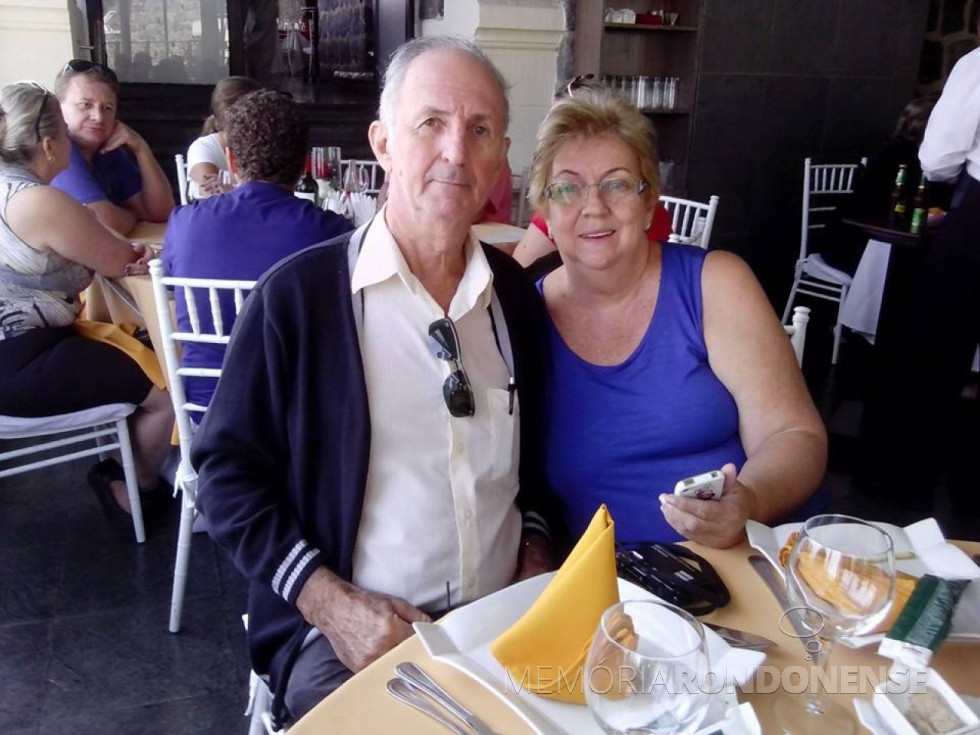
919, 208
307, 188
897, 208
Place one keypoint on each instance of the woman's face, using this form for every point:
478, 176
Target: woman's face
59, 148
599, 229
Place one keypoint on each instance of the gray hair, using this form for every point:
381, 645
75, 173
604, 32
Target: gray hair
408, 52
28, 114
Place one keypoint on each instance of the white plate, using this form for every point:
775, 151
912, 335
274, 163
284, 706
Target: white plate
474, 627
932, 554
497, 233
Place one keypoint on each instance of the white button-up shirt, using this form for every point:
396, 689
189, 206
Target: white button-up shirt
439, 503
952, 136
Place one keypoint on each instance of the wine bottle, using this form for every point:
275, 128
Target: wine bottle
307, 188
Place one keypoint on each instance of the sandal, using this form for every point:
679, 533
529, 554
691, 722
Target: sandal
99, 478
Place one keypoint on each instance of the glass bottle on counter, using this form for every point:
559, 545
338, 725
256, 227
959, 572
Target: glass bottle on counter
919, 208
307, 188
897, 209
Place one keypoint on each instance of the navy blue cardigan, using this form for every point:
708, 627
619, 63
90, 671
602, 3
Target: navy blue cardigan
282, 453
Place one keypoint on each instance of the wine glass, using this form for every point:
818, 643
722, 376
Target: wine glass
356, 178
646, 670
841, 571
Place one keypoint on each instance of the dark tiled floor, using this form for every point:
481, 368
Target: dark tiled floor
84, 647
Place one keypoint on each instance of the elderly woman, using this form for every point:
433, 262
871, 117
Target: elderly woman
50, 246
665, 361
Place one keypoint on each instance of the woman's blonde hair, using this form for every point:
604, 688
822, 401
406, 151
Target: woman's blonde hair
28, 114
588, 113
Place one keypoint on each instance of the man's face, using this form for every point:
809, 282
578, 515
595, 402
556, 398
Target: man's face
89, 109
448, 143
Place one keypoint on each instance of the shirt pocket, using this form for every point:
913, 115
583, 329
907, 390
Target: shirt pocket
505, 432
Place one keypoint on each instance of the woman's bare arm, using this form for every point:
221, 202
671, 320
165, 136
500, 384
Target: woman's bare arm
784, 438
48, 219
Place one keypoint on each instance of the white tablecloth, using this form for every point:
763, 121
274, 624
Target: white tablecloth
861, 308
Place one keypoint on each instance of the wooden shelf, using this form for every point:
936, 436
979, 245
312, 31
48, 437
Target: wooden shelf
645, 27
641, 50
658, 111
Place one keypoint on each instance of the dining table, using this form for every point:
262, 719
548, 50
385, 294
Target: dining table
363, 705
129, 299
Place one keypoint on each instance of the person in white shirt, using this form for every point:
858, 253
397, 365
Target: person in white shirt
943, 323
387, 464
206, 159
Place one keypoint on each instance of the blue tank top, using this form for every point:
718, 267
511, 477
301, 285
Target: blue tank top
623, 434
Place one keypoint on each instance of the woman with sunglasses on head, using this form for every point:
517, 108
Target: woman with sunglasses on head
537, 247
665, 361
50, 248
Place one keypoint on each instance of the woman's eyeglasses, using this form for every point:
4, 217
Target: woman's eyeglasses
456, 390
611, 191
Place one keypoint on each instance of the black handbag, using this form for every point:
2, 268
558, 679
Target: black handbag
675, 574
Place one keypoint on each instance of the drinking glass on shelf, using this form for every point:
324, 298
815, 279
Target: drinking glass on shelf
657, 93
333, 172
841, 572
356, 178
647, 669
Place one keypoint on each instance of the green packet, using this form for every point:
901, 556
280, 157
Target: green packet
924, 622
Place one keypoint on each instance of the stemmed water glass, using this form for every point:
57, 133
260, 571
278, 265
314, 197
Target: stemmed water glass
841, 572
356, 178
646, 671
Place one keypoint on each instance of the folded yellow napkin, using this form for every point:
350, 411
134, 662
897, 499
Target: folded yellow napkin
117, 336
545, 650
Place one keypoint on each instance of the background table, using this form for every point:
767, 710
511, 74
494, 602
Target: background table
363, 705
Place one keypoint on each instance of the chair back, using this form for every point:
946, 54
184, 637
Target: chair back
797, 331
213, 289
691, 221
824, 185
182, 181
376, 174
521, 211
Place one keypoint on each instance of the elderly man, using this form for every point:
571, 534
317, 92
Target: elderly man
372, 453
112, 169
243, 233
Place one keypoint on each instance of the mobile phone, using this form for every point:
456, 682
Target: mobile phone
706, 486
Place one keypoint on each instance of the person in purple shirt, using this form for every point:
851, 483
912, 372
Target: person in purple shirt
244, 232
112, 170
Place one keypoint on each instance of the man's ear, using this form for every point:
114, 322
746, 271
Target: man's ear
232, 161
378, 138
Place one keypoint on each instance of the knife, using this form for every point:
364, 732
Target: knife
741, 638
417, 678
775, 584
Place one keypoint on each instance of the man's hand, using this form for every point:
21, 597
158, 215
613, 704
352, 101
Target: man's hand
534, 557
717, 523
121, 135
360, 625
